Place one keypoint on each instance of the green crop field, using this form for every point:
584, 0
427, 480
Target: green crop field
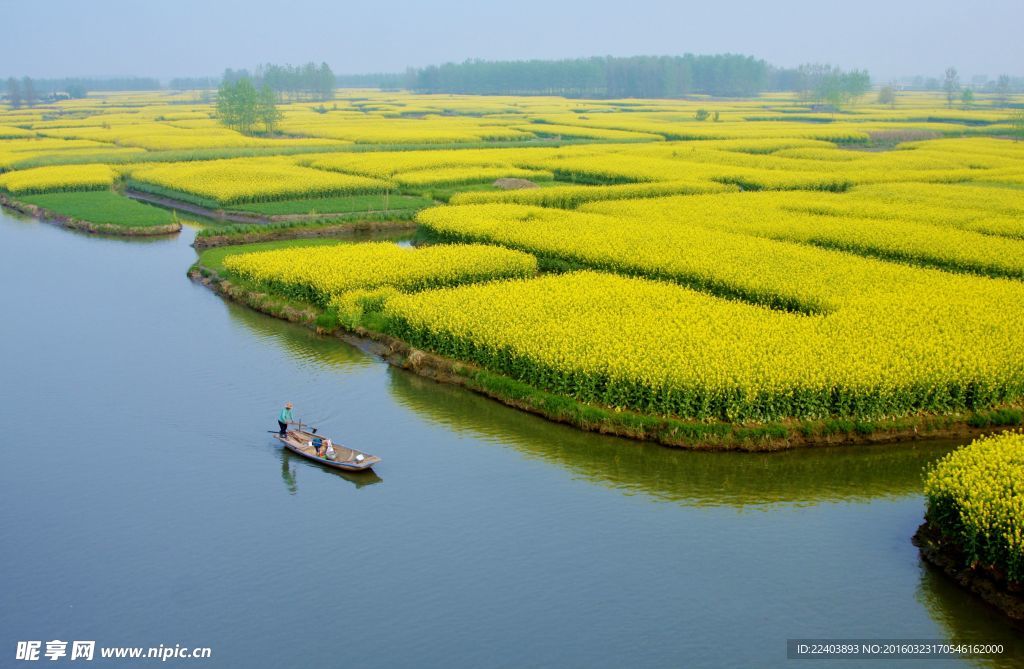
103, 207
337, 205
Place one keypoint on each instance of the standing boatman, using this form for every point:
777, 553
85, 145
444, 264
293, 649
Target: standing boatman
285, 419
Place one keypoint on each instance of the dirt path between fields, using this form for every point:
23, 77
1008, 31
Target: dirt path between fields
217, 214
244, 217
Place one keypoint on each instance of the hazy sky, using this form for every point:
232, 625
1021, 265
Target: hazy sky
166, 38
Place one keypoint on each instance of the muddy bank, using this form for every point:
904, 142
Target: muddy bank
272, 234
663, 430
71, 223
987, 584
216, 214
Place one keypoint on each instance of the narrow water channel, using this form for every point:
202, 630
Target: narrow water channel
144, 503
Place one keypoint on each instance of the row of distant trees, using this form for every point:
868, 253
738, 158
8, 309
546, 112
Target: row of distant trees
978, 83
607, 77
588, 79
383, 80
27, 91
295, 82
999, 89
725, 75
21, 92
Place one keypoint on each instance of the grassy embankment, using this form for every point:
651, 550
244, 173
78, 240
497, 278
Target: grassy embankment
406, 201
100, 211
326, 216
371, 327
447, 192
338, 216
343, 204
331, 229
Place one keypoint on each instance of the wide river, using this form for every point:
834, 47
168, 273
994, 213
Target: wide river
145, 503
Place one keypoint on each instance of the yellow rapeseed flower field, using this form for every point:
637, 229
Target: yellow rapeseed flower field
752, 265
57, 178
319, 273
975, 497
937, 241
863, 337
240, 180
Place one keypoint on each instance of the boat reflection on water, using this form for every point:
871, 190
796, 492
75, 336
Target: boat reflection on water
801, 477
289, 462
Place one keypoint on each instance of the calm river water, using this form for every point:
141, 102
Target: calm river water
144, 503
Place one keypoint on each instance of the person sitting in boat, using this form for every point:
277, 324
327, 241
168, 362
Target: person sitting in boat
285, 419
317, 444
328, 448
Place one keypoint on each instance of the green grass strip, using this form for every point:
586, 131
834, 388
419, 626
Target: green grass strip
103, 207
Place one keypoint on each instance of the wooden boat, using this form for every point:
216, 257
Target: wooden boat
300, 442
